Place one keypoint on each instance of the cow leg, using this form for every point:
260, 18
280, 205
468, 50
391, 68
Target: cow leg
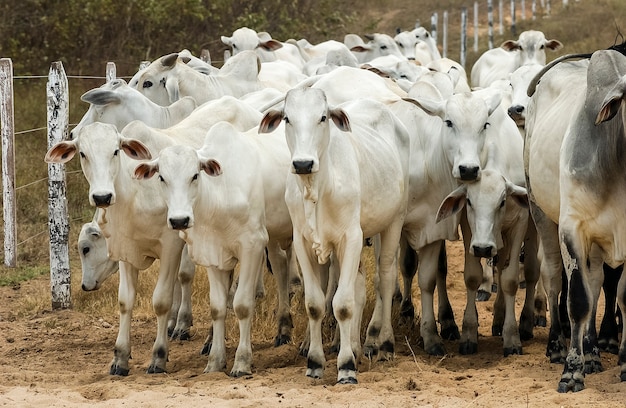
127, 292
251, 266
541, 303
591, 350
499, 306
531, 276
427, 279
184, 319
608, 336
173, 315
579, 305
408, 269
314, 304
162, 303
278, 259
219, 285
484, 291
621, 302
449, 329
473, 277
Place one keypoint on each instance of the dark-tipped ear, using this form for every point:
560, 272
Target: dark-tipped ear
169, 61
341, 119
554, 45
510, 45
270, 45
452, 204
211, 167
61, 152
135, 149
518, 194
145, 171
270, 121
185, 60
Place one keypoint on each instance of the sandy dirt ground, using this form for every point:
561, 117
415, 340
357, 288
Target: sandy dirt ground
61, 359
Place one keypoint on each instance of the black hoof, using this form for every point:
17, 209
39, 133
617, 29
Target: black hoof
593, 366
496, 330
117, 370
281, 340
468, 348
348, 380
436, 350
509, 351
571, 385
482, 296
450, 333
608, 345
370, 352
238, 374
407, 310
155, 370
180, 335
541, 321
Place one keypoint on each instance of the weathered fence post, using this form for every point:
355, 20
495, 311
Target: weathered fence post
533, 9
433, 25
205, 55
490, 22
58, 223
501, 16
111, 72
523, 10
445, 35
475, 26
463, 35
7, 130
513, 28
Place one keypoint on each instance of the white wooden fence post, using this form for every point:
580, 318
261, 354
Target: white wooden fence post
490, 18
501, 17
533, 8
463, 35
58, 223
433, 25
111, 72
445, 35
513, 27
205, 55
523, 10
475, 26
7, 130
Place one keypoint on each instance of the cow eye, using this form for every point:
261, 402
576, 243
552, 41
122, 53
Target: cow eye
400, 45
82, 155
542, 47
195, 177
448, 123
116, 152
323, 118
426, 35
85, 251
502, 203
469, 203
487, 124
383, 47
161, 179
147, 84
286, 119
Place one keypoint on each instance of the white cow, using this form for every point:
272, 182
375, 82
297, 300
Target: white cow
576, 113
498, 63
168, 79
97, 267
132, 218
343, 187
418, 45
519, 81
228, 219
268, 49
378, 45
117, 103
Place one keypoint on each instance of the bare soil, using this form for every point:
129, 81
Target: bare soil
61, 359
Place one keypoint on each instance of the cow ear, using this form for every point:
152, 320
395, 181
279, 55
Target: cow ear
611, 103
169, 61
452, 204
270, 121
270, 45
518, 194
340, 119
432, 107
171, 86
554, 45
100, 97
360, 48
510, 45
146, 170
135, 149
493, 101
211, 167
227, 40
61, 152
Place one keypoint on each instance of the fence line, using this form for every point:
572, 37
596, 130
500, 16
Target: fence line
8, 162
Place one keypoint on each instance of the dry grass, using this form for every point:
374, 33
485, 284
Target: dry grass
585, 25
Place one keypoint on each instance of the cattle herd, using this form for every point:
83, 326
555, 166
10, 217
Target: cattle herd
295, 154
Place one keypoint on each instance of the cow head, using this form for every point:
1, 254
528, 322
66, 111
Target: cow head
178, 169
532, 47
94, 258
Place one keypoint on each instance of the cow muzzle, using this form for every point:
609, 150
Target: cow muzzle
469, 173
302, 166
179, 223
486, 251
102, 200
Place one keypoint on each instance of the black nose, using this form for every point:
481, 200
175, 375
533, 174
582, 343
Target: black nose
516, 110
179, 223
482, 251
468, 173
102, 200
303, 166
